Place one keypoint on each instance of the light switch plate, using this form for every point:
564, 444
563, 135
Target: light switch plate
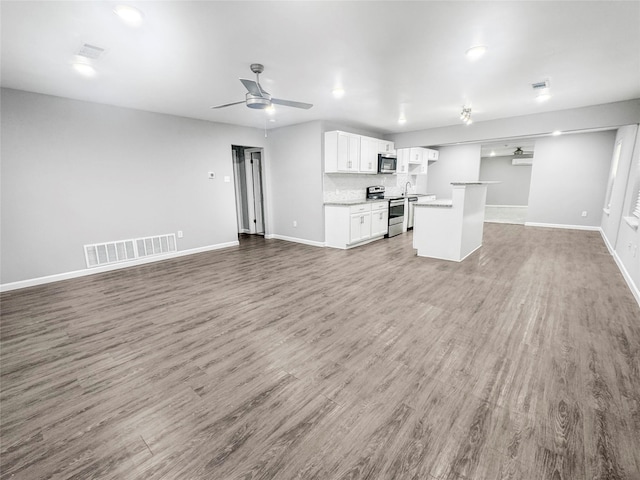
227, 179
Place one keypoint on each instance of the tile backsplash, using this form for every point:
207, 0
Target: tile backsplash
351, 186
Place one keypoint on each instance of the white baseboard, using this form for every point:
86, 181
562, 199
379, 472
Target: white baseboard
107, 268
304, 241
625, 274
507, 206
558, 225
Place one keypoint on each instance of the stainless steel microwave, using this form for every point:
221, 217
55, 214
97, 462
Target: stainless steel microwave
387, 163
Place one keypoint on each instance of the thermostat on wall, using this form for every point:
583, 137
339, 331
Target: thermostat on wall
212, 175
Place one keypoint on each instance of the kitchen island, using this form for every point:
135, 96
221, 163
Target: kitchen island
451, 229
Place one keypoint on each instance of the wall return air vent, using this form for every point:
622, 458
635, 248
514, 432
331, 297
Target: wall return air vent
99, 254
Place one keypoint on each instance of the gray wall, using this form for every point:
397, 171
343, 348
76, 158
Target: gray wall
294, 168
460, 163
75, 173
570, 176
610, 115
515, 181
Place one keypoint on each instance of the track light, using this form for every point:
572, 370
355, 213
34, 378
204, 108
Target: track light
465, 115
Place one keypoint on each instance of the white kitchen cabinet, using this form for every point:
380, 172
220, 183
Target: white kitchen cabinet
414, 161
385, 146
416, 155
379, 219
347, 226
432, 155
341, 152
368, 155
403, 160
360, 227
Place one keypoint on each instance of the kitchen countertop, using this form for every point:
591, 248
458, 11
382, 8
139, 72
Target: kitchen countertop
435, 203
356, 202
487, 182
364, 200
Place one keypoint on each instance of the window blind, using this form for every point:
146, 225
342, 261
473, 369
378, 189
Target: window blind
636, 211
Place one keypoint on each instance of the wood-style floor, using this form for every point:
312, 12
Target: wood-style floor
277, 360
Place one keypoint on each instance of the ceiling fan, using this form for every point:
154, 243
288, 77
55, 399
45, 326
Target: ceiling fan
519, 153
258, 98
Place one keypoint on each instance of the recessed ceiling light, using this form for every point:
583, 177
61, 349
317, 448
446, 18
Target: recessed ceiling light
556, 133
338, 92
84, 69
272, 120
492, 154
476, 52
402, 119
128, 14
543, 97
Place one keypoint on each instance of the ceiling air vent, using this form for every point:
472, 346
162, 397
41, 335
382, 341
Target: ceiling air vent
90, 51
540, 85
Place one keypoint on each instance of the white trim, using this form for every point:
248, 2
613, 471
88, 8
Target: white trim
507, 206
632, 222
627, 278
6, 287
304, 241
558, 225
448, 259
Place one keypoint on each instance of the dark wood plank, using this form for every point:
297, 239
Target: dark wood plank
280, 360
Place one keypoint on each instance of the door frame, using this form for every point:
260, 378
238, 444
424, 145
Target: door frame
247, 151
249, 171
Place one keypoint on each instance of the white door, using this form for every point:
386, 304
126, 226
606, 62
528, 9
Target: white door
253, 169
258, 203
249, 189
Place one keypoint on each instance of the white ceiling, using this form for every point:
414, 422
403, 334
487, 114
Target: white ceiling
391, 57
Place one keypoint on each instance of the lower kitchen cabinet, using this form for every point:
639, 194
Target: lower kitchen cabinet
360, 228
380, 221
347, 226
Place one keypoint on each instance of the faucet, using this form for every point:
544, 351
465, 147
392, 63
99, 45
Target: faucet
406, 188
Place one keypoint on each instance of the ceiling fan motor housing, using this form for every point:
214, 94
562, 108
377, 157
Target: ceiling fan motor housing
260, 103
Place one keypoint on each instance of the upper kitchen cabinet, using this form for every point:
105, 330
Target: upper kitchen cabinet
403, 160
432, 155
341, 152
368, 155
384, 146
417, 155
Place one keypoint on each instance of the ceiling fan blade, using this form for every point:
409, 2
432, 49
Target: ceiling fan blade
291, 103
253, 87
228, 104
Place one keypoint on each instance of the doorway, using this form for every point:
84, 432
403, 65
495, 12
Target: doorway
511, 163
248, 173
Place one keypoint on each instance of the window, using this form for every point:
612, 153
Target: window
636, 210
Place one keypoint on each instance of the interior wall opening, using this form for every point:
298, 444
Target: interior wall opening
249, 189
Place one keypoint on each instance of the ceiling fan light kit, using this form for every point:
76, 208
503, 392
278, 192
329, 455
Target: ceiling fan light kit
258, 98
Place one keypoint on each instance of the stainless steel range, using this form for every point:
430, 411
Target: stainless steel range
396, 208
396, 216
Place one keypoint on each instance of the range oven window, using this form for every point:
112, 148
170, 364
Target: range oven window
396, 209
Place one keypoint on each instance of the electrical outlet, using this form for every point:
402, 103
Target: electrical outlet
295, 223
584, 214
227, 179
212, 175
180, 234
